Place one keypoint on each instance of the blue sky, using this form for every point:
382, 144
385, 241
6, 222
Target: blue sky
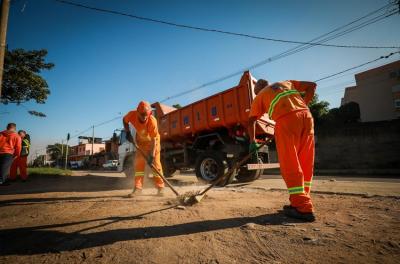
106, 64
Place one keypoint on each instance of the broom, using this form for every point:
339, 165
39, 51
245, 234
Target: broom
193, 197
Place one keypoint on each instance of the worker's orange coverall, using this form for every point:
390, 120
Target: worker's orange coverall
21, 162
145, 132
294, 135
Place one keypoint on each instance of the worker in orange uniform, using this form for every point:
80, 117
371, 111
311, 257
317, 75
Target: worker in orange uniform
21, 162
148, 140
286, 103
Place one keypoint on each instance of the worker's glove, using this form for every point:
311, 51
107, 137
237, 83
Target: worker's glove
128, 136
150, 159
253, 150
253, 147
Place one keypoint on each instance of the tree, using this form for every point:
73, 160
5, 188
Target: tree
177, 106
318, 109
347, 113
22, 81
350, 112
57, 152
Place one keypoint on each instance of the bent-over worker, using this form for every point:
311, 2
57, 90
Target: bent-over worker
286, 103
148, 140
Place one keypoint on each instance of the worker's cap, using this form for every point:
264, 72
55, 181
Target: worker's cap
144, 108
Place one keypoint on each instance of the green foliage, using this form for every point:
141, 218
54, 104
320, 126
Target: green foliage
55, 151
36, 113
318, 109
350, 112
22, 81
346, 113
177, 106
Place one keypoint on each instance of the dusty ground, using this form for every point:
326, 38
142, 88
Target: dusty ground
87, 219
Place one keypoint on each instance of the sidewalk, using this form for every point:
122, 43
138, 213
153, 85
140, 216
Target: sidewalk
360, 186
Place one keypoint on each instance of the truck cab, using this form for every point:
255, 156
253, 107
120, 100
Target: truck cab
126, 154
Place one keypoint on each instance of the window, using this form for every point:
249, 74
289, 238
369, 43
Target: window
213, 111
186, 120
397, 103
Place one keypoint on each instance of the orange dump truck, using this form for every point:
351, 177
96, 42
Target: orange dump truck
210, 135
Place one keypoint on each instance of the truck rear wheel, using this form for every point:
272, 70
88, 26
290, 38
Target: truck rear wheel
245, 175
210, 166
168, 167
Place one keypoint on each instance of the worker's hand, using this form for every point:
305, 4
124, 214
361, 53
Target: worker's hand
253, 147
128, 136
150, 159
253, 150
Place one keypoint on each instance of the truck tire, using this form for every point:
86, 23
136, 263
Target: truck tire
210, 166
168, 168
245, 175
128, 167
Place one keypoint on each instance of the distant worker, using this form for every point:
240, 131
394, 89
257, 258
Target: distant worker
286, 103
148, 140
21, 163
10, 148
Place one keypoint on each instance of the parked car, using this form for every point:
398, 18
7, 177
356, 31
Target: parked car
75, 164
111, 164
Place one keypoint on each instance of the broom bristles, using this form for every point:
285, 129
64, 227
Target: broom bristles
188, 198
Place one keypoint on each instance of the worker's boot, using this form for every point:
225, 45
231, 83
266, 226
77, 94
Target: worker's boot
294, 213
287, 206
135, 193
160, 192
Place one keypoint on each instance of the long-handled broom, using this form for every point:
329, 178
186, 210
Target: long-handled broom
190, 198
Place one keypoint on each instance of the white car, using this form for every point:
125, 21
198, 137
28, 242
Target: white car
110, 164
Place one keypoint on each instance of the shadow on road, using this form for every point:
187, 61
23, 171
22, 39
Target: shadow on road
60, 183
38, 240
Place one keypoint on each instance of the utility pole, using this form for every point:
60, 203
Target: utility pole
62, 152
66, 152
5, 7
92, 139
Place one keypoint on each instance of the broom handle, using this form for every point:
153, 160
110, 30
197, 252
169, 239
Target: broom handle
237, 165
156, 170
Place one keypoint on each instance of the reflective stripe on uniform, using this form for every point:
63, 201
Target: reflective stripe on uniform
26, 142
277, 98
296, 190
307, 184
139, 173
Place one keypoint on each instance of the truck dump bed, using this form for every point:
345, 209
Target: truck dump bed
227, 109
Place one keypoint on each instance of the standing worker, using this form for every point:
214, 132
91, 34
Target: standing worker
21, 162
148, 140
10, 148
286, 103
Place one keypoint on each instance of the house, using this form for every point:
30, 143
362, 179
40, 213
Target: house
377, 92
85, 148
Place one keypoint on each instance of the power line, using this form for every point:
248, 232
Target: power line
358, 66
296, 49
217, 30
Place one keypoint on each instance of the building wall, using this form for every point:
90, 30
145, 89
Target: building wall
87, 150
351, 94
368, 146
377, 93
83, 150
